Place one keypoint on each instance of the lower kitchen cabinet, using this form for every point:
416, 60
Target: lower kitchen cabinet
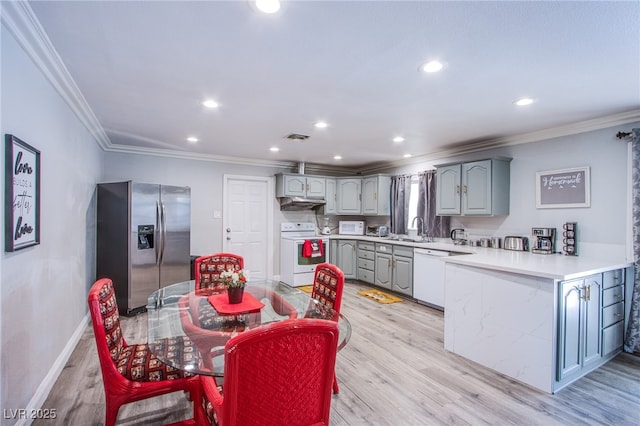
591, 323
366, 262
394, 268
346, 258
579, 344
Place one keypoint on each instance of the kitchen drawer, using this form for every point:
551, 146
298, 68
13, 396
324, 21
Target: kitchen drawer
366, 264
365, 275
384, 248
366, 245
612, 295
612, 314
371, 255
403, 251
612, 338
611, 278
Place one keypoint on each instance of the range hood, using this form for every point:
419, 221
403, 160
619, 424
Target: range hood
300, 203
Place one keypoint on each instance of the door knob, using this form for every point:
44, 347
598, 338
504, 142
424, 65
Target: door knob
228, 229
228, 238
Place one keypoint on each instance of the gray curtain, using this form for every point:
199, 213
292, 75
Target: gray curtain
632, 340
400, 189
434, 226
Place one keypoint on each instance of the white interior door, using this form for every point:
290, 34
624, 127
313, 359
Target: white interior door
248, 222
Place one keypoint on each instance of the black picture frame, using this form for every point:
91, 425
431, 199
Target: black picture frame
22, 195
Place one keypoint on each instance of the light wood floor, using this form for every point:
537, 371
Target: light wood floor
394, 371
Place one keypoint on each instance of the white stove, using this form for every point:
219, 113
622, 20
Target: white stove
300, 251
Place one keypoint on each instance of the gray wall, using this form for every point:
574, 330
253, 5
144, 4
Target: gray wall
44, 288
602, 227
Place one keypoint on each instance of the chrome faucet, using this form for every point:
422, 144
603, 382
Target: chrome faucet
421, 223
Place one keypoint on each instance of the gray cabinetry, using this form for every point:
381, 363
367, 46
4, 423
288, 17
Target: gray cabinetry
478, 188
348, 193
366, 262
376, 191
394, 268
613, 297
346, 258
330, 197
591, 323
296, 185
579, 343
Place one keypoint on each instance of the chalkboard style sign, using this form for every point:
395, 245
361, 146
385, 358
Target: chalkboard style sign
22, 195
563, 188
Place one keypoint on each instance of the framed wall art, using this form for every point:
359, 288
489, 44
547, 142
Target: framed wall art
22, 195
563, 188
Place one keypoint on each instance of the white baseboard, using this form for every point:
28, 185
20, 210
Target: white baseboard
47, 383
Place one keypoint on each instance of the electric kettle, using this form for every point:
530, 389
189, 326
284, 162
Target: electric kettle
458, 236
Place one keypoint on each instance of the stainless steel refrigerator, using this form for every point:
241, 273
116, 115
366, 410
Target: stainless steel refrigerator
143, 239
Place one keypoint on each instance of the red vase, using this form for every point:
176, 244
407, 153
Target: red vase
235, 295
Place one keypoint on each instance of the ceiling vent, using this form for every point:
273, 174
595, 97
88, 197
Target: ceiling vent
297, 137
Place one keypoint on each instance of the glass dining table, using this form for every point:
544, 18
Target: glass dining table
188, 327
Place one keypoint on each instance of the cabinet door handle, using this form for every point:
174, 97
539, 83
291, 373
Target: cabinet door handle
587, 293
457, 189
464, 189
375, 196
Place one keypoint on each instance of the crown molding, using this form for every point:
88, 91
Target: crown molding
537, 136
21, 22
19, 19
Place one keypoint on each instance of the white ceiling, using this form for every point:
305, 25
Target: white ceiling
145, 67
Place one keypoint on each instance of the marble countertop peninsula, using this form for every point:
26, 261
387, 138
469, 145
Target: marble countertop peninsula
552, 266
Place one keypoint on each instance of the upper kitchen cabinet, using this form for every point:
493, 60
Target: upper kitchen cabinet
479, 188
331, 197
349, 196
376, 195
297, 185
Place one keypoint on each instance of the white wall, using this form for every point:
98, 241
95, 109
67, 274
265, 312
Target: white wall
44, 288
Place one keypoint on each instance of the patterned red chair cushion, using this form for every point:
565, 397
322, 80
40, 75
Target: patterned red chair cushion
325, 287
211, 267
138, 364
111, 318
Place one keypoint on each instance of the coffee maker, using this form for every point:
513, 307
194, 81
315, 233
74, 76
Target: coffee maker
544, 240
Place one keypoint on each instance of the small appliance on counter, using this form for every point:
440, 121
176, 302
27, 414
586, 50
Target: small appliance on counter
516, 243
326, 229
544, 240
570, 238
459, 236
377, 231
351, 227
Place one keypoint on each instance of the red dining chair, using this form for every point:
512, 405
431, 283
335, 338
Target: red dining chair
130, 372
207, 268
328, 283
275, 375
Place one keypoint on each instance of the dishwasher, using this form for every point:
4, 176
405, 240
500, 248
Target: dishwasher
428, 276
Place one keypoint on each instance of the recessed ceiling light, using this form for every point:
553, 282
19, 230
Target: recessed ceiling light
523, 101
321, 125
268, 6
337, 157
398, 139
274, 149
407, 155
431, 66
210, 103
192, 139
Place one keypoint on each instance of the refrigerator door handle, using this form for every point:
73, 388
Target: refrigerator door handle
163, 230
159, 234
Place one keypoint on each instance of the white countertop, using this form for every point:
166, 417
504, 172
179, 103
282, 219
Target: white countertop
553, 266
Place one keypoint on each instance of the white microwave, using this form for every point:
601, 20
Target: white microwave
351, 227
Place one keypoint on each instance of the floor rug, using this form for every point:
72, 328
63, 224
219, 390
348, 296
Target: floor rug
306, 288
379, 296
